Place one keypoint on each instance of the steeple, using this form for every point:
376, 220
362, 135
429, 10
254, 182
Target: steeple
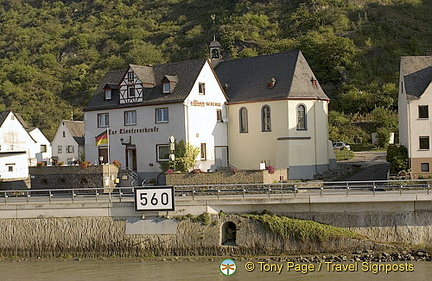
215, 51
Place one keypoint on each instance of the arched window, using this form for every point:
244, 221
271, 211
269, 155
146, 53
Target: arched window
265, 118
301, 117
243, 115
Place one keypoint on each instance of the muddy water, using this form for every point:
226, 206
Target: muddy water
136, 269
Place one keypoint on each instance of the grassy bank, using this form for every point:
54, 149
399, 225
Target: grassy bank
304, 231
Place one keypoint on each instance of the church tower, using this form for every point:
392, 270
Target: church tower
215, 49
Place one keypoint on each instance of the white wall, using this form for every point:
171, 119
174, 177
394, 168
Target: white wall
68, 139
35, 151
201, 118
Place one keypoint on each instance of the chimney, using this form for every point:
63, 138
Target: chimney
271, 84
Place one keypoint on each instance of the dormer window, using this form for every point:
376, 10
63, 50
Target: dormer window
166, 88
168, 83
130, 77
107, 95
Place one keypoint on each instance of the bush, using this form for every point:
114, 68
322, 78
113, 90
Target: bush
397, 156
344, 155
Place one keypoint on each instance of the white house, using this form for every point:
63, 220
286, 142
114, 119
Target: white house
20, 147
143, 105
68, 142
415, 119
240, 113
277, 114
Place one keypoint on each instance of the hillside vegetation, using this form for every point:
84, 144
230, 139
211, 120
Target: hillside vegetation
54, 53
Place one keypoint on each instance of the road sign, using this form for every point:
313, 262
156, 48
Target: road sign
154, 198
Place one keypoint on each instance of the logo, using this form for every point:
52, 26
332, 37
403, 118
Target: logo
227, 267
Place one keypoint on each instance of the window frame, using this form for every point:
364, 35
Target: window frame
131, 89
126, 119
157, 121
201, 88
421, 114
43, 148
301, 118
219, 117
203, 151
243, 120
107, 94
130, 77
166, 88
59, 149
423, 143
158, 147
425, 170
266, 118
70, 149
105, 119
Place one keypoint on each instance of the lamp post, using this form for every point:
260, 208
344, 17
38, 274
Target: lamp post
171, 140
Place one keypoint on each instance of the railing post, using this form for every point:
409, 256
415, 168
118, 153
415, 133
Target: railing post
374, 188
28, 196
193, 193
295, 190
73, 195
218, 193
428, 188
244, 193
50, 195
321, 191
400, 189
269, 190
347, 188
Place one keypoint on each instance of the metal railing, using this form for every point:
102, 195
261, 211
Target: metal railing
224, 191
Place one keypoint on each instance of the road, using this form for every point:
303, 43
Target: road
373, 166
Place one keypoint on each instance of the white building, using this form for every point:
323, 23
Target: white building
415, 119
68, 142
143, 105
271, 109
20, 147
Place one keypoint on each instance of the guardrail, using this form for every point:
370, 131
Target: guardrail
223, 191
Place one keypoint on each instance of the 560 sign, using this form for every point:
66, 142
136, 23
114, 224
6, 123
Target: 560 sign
154, 199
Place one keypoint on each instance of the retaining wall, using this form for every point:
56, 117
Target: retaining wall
226, 177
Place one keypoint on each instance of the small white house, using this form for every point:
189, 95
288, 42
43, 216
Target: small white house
20, 147
68, 142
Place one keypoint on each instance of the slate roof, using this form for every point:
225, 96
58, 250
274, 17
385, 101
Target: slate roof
247, 79
187, 73
76, 128
417, 73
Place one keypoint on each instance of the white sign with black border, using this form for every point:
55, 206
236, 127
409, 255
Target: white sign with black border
154, 198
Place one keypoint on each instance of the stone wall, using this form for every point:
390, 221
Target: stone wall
226, 177
105, 236
66, 177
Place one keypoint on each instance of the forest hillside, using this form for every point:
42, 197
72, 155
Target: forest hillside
54, 53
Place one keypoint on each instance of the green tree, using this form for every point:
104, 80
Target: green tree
185, 158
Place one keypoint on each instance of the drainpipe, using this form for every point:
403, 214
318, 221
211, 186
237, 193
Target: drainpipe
315, 137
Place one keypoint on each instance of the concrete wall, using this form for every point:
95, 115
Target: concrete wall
226, 177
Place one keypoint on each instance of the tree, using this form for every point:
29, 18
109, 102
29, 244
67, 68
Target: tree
185, 158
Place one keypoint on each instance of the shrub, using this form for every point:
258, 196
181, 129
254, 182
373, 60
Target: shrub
344, 155
397, 156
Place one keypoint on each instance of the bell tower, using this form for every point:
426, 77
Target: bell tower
215, 49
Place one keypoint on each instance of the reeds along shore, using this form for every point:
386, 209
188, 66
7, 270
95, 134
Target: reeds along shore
105, 237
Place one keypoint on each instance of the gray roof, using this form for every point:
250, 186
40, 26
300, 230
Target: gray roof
186, 72
76, 128
248, 79
417, 73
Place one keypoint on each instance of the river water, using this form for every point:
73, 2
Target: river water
137, 269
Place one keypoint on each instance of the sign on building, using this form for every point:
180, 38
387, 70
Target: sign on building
154, 199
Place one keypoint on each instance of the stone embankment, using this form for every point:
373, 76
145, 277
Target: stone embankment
217, 235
